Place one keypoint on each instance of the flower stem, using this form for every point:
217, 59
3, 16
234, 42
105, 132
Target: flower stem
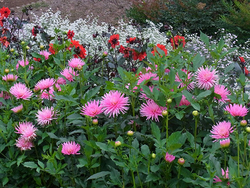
195, 132
133, 178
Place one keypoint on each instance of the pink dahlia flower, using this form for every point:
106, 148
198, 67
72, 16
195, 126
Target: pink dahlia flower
61, 81
47, 94
24, 144
114, 103
45, 54
169, 158
236, 110
222, 91
22, 63
17, 109
151, 110
69, 74
91, 109
225, 176
20, 91
27, 130
143, 96
184, 101
44, 84
188, 80
147, 76
76, 62
10, 78
221, 130
45, 116
225, 143
206, 78
70, 148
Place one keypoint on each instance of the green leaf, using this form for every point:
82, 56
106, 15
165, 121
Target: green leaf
204, 38
135, 143
20, 159
145, 150
30, 164
91, 93
52, 135
198, 61
5, 180
41, 164
203, 95
99, 175
82, 162
156, 131
172, 76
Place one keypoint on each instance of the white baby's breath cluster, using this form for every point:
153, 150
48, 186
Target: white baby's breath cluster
85, 28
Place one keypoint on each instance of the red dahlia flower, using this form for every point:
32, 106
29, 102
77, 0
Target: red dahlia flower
4, 41
162, 47
1, 20
242, 60
138, 55
52, 49
79, 49
34, 31
130, 40
5, 12
114, 40
125, 51
177, 41
70, 34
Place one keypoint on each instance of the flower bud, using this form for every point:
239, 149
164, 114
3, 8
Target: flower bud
181, 161
27, 47
195, 113
41, 46
164, 113
79, 67
12, 50
130, 133
169, 101
225, 143
105, 53
95, 121
248, 129
117, 143
243, 123
6, 71
22, 43
153, 155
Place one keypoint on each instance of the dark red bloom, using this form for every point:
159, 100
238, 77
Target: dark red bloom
4, 30
79, 50
1, 20
162, 47
130, 40
125, 51
177, 41
37, 59
5, 12
4, 41
242, 60
138, 55
114, 40
70, 34
34, 31
51, 49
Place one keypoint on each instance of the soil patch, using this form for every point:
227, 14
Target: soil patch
109, 11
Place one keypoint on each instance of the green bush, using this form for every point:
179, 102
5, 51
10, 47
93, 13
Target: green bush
195, 16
